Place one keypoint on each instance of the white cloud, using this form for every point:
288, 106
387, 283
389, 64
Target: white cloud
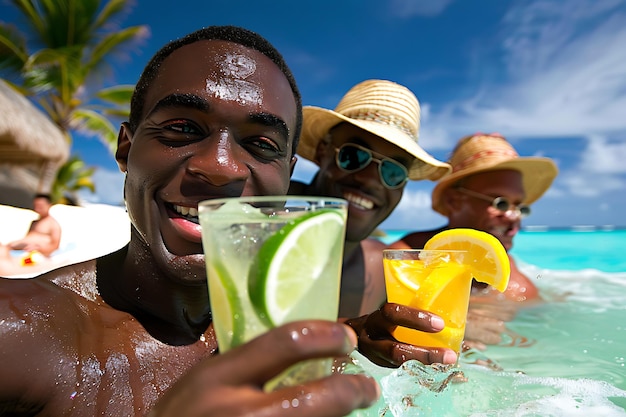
414, 211
599, 171
582, 184
414, 200
555, 72
554, 192
563, 73
603, 156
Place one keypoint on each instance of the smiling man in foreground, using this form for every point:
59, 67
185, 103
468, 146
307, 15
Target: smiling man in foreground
214, 114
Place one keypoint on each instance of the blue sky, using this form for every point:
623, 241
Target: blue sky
548, 75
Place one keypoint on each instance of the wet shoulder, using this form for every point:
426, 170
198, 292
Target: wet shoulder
43, 324
57, 296
372, 243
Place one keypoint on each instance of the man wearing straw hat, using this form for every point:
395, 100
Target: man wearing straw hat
491, 188
366, 149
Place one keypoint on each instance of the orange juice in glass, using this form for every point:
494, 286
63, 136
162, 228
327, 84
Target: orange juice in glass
433, 280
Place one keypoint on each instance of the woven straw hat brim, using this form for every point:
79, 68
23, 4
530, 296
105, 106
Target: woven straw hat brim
537, 177
318, 121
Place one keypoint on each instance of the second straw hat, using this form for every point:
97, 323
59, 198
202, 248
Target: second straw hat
490, 152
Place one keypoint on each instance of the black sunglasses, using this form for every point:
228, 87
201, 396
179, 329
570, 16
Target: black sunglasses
351, 158
502, 204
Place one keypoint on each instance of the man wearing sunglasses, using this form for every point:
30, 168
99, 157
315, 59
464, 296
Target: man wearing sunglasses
491, 188
366, 149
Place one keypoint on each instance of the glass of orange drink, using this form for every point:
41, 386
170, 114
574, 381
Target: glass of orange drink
439, 277
437, 281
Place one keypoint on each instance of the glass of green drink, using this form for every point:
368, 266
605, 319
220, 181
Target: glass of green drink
272, 260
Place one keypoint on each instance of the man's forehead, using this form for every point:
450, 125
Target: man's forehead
222, 70
496, 179
211, 60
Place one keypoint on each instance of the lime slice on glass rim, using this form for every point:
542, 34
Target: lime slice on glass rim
289, 263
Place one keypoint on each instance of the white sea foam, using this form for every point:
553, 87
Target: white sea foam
418, 390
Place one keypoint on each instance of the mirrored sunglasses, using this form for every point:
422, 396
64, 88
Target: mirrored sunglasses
352, 158
502, 204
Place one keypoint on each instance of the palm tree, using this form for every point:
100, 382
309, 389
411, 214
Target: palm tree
72, 177
56, 60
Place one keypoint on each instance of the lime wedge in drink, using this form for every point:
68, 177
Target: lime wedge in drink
289, 263
228, 306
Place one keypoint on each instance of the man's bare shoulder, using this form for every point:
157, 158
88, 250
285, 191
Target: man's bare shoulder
44, 224
51, 222
373, 256
372, 244
44, 327
54, 292
38, 291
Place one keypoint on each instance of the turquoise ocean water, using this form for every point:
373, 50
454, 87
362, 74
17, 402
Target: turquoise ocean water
584, 248
561, 358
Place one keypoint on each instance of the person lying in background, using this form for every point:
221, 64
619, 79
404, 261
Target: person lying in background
491, 189
44, 233
216, 113
41, 240
366, 149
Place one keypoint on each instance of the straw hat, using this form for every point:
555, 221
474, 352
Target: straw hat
381, 107
490, 152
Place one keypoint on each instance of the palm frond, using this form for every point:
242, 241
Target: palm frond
30, 9
119, 95
13, 52
112, 42
110, 10
95, 124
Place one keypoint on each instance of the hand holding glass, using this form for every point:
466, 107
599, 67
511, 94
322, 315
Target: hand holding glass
434, 281
272, 260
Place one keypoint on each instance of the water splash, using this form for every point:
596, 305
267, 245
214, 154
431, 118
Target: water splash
416, 390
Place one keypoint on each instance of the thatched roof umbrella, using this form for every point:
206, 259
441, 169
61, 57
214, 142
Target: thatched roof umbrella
32, 148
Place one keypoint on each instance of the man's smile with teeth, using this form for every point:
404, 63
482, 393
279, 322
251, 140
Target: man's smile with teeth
190, 213
359, 201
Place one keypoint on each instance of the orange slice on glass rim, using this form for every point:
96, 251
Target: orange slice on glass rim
486, 258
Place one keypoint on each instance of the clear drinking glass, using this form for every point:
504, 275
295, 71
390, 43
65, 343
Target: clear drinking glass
431, 280
272, 260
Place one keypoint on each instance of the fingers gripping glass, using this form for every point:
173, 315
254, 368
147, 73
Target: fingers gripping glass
352, 158
502, 204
